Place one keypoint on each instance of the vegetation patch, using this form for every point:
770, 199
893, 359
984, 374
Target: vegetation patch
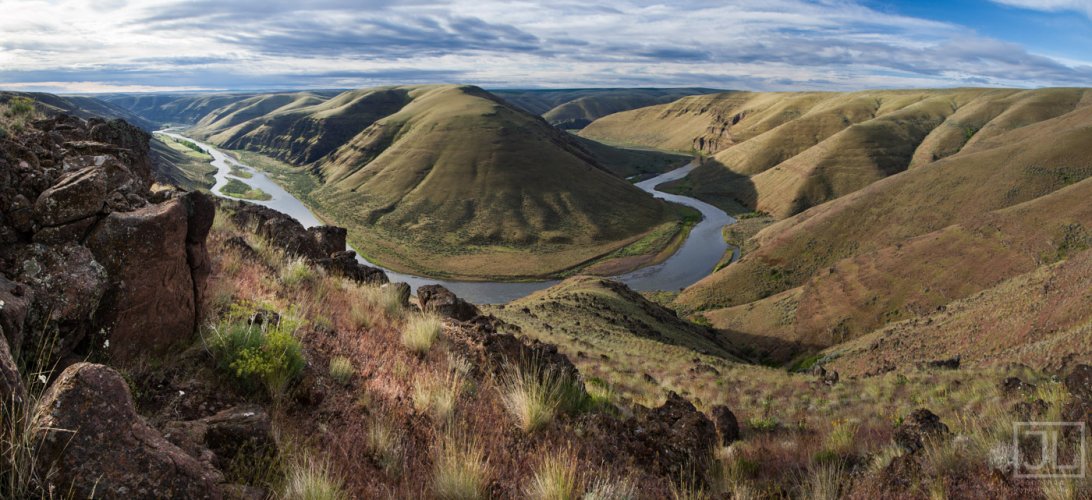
239, 189
266, 355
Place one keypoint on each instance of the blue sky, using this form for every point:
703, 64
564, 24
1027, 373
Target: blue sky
169, 45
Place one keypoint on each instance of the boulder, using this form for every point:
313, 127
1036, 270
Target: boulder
221, 437
240, 244
328, 239
200, 212
87, 431
149, 306
68, 286
672, 440
281, 230
920, 427
726, 423
75, 196
344, 264
15, 302
440, 300
1079, 383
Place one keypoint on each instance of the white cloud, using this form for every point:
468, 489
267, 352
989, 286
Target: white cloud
753, 44
1082, 6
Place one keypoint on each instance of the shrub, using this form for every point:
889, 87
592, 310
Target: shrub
341, 369
21, 106
267, 355
385, 444
533, 393
420, 332
555, 478
311, 480
460, 470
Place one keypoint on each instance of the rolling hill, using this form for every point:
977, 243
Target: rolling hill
620, 337
782, 153
901, 247
575, 108
448, 180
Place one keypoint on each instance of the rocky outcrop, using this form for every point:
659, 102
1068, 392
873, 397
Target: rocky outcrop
671, 440
323, 246
440, 300
344, 264
918, 429
401, 290
89, 435
91, 251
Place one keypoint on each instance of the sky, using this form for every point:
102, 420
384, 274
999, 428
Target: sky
173, 45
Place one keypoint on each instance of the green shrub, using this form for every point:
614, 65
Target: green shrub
266, 355
21, 106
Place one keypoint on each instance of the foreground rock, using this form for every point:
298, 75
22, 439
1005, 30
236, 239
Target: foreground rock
88, 433
87, 251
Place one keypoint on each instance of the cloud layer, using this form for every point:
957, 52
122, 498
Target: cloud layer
753, 44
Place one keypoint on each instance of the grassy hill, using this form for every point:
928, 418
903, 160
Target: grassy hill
81, 106
1040, 319
181, 109
575, 108
910, 243
782, 153
621, 338
450, 180
177, 164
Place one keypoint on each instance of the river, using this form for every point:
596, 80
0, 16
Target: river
695, 259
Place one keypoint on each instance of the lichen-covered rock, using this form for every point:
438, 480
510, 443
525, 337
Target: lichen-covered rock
88, 433
149, 306
220, 438
440, 300
68, 285
77, 195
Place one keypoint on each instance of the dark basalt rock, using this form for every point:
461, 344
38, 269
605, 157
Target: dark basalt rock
328, 239
78, 195
440, 300
1079, 382
1013, 385
12, 391
220, 438
344, 264
727, 425
402, 290
921, 426
89, 433
15, 302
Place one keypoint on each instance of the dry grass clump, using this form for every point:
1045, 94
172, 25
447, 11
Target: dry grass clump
460, 470
437, 395
825, 482
611, 488
420, 332
310, 479
341, 369
16, 113
297, 272
556, 478
385, 442
534, 393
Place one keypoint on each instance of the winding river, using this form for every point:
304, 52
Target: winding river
695, 259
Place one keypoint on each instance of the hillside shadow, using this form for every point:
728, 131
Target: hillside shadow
714, 183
